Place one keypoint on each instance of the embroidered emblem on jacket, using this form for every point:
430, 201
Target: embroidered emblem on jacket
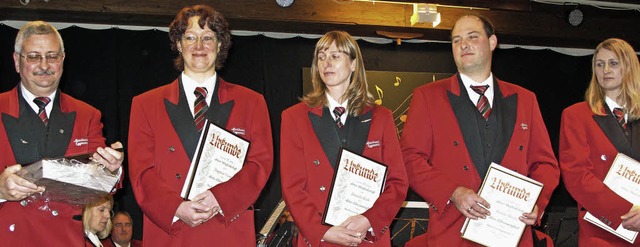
372, 144
81, 141
237, 131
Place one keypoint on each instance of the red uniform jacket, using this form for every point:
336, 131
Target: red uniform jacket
588, 145
309, 146
440, 142
74, 128
162, 140
107, 242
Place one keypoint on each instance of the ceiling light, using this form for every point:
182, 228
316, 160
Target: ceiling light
425, 13
575, 17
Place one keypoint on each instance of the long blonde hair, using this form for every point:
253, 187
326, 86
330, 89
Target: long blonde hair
630, 89
358, 91
87, 213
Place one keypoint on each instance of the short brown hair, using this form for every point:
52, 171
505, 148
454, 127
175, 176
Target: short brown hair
208, 17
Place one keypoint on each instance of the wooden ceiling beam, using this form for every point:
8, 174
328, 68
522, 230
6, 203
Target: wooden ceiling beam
517, 21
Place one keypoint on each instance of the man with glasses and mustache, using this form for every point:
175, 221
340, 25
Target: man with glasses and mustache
38, 121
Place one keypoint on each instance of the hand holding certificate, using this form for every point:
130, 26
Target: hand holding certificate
357, 183
220, 155
622, 179
510, 194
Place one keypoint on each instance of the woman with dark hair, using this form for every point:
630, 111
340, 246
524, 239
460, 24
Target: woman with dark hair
166, 123
593, 132
338, 113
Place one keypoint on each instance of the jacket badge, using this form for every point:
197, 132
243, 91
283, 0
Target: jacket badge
81, 142
372, 144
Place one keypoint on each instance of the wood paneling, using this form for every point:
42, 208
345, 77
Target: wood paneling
517, 21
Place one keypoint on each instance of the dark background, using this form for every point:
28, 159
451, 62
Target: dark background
107, 68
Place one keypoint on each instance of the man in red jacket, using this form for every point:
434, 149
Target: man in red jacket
38, 121
454, 132
121, 232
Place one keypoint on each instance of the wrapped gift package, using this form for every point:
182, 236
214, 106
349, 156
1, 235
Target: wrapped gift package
69, 180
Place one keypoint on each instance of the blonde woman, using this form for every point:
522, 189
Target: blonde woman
339, 112
593, 132
96, 219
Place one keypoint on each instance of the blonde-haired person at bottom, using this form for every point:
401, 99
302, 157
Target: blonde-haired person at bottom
96, 220
593, 132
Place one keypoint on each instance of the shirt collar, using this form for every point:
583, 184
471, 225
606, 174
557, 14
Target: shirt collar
612, 104
333, 103
468, 82
29, 97
190, 84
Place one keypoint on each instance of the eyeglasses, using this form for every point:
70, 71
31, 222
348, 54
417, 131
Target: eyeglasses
192, 39
37, 58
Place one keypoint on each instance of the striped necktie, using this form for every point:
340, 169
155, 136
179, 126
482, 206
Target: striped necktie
42, 102
200, 107
619, 114
338, 111
483, 103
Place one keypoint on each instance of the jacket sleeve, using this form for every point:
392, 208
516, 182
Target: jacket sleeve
243, 189
293, 177
381, 214
543, 165
417, 147
587, 189
157, 200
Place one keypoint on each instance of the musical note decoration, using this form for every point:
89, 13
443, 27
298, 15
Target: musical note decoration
398, 80
380, 95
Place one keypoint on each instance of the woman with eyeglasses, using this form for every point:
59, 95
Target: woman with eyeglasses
96, 219
165, 125
593, 132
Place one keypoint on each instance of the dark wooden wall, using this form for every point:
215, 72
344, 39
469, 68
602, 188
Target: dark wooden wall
519, 21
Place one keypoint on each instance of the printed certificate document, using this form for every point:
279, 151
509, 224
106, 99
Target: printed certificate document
510, 194
220, 155
623, 179
357, 184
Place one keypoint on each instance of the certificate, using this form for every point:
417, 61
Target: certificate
357, 184
220, 154
510, 194
622, 179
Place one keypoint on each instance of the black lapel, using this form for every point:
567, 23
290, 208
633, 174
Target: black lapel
22, 133
635, 138
611, 128
219, 113
358, 131
506, 110
465, 112
60, 130
182, 121
327, 134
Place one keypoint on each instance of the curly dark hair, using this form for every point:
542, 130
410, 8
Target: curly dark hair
209, 17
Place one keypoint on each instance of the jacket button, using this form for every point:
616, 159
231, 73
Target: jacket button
521, 147
54, 212
603, 157
465, 168
171, 149
177, 175
316, 162
322, 188
61, 131
24, 203
455, 143
12, 227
